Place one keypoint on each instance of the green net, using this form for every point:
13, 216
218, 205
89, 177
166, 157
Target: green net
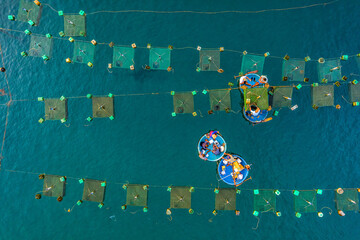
93, 191
323, 95
306, 201
159, 58
252, 63
265, 201
53, 186
348, 201
180, 197
28, 10
225, 199
282, 97
330, 70
183, 102
257, 96
293, 70
75, 25
136, 195
83, 52
123, 57
358, 61
354, 92
103, 107
209, 60
220, 99
55, 109
40, 46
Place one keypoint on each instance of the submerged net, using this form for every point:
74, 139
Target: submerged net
55, 109
53, 186
348, 201
282, 97
293, 70
123, 57
93, 191
220, 99
258, 96
252, 63
323, 95
354, 92
209, 60
136, 195
159, 58
306, 201
102, 107
183, 102
225, 199
330, 71
75, 25
28, 10
40, 46
180, 197
83, 52
265, 201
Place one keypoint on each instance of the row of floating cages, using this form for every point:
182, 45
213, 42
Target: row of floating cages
220, 100
264, 200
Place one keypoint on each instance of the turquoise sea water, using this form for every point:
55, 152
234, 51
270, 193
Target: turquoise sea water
303, 149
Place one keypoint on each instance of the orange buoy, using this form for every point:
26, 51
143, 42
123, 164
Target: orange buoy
169, 69
338, 106
147, 67
220, 70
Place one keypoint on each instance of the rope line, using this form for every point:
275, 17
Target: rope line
179, 48
207, 13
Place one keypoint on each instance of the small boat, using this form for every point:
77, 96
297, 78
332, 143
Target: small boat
255, 88
211, 146
233, 169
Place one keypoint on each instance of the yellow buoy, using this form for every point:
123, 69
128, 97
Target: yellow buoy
169, 69
37, 2
90, 64
221, 49
338, 106
93, 42
68, 60
133, 45
132, 67
109, 65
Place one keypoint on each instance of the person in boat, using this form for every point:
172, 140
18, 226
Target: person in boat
254, 110
204, 149
216, 150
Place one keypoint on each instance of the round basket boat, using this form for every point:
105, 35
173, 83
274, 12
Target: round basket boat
210, 148
255, 119
232, 169
252, 80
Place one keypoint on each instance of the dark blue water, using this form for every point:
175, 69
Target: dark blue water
303, 149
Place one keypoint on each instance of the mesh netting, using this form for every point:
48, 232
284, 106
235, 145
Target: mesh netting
354, 92
252, 63
83, 52
322, 96
306, 201
220, 99
209, 60
75, 25
282, 97
180, 197
225, 199
123, 57
330, 70
293, 69
258, 96
55, 109
93, 191
358, 61
102, 107
28, 10
136, 195
265, 201
183, 102
40, 46
159, 58
53, 187
348, 201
